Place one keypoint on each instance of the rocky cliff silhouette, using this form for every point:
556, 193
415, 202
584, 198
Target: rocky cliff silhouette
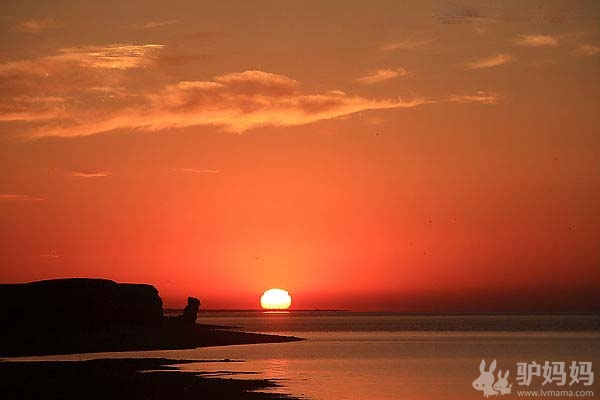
78, 315
79, 303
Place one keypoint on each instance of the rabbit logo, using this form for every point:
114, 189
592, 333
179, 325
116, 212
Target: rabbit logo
485, 382
501, 384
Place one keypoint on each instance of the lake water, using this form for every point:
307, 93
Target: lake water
379, 356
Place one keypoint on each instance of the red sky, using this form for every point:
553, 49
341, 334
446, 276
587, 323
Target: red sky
432, 156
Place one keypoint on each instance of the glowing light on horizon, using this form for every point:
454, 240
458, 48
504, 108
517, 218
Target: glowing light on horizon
275, 299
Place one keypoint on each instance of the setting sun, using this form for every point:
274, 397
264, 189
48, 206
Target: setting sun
275, 299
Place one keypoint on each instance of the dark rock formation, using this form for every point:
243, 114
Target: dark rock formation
78, 304
66, 316
190, 312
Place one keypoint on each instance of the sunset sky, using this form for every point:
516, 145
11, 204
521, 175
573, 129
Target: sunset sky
409, 156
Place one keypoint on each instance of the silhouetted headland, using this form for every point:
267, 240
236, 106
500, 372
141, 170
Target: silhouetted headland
78, 315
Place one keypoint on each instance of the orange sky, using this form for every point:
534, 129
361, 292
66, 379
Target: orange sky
430, 156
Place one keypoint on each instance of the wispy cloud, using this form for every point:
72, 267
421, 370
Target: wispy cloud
35, 26
31, 108
236, 102
406, 44
116, 56
80, 174
199, 171
69, 94
481, 12
461, 15
159, 24
588, 49
18, 197
50, 256
479, 97
488, 62
536, 40
382, 75
52, 88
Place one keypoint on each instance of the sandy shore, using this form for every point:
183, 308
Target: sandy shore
127, 379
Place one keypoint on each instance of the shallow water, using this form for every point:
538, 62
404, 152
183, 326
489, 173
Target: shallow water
392, 356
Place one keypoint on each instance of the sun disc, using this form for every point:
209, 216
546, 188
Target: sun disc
275, 299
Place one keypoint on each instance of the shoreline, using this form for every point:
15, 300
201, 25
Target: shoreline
167, 337
127, 379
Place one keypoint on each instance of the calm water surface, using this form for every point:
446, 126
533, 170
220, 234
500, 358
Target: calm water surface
391, 356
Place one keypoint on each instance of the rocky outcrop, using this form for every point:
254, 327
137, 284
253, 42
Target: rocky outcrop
66, 316
78, 304
190, 312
